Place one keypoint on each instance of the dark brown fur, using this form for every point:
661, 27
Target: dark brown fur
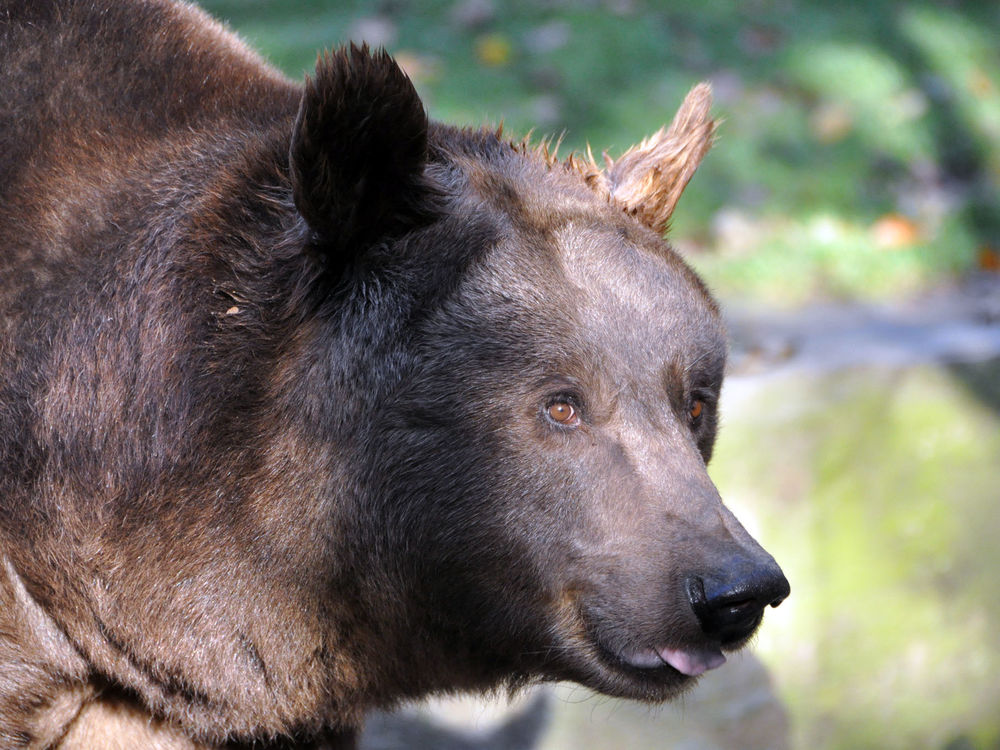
273, 370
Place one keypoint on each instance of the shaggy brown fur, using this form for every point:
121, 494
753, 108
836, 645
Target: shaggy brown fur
278, 367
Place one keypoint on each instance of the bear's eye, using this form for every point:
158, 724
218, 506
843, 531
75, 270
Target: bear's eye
697, 407
562, 413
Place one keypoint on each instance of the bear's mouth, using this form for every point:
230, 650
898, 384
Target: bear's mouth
652, 673
661, 663
685, 660
691, 662
635, 660
625, 665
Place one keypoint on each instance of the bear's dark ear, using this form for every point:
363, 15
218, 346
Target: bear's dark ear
358, 150
648, 179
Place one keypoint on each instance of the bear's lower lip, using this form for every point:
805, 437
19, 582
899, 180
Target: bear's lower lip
691, 661
653, 673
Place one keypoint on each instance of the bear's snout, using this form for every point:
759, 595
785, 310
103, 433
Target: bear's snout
729, 605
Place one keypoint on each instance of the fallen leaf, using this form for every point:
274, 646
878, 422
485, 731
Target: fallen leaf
988, 258
894, 231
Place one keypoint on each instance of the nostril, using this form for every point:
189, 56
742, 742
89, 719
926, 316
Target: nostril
696, 593
776, 589
730, 609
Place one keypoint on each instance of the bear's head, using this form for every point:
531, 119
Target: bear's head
534, 378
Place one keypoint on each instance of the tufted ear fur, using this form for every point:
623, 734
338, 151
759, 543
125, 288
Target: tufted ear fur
358, 150
648, 179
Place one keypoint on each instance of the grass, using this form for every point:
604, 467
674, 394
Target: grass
840, 119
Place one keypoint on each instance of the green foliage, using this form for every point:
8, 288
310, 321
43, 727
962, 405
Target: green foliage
826, 256
837, 113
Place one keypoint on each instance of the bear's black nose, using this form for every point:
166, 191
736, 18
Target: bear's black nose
729, 609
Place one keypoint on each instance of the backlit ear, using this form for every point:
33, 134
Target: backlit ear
358, 150
648, 179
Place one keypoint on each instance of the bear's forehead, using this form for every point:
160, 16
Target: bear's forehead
582, 273
614, 275
591, 294
637, 299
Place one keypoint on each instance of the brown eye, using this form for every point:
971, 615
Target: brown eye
562, 413
697, 407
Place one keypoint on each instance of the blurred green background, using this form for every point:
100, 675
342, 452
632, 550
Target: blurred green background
860, 150
858, 162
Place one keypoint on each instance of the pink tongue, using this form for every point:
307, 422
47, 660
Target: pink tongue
692, 663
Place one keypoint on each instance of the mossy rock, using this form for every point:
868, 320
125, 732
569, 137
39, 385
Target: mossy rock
877, 491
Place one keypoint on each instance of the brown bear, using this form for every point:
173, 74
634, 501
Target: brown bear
309, 405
